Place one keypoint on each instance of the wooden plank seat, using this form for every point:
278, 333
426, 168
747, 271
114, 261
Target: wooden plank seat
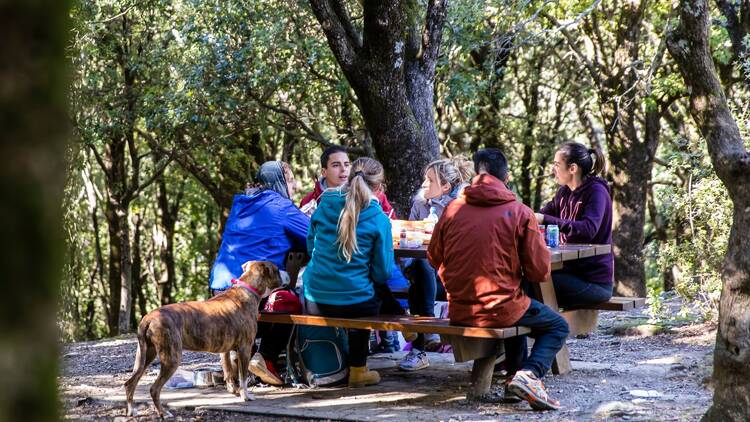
481, 345
396, 323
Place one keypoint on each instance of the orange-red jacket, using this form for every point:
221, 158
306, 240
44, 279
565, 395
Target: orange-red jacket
483, 244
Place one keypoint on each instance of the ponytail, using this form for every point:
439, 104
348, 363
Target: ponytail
589, 160
599, 163
366, 177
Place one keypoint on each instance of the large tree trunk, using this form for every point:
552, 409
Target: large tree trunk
33, 117
689, 45
391, 67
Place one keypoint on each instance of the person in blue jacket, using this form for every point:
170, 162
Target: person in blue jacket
264, 224
351, 252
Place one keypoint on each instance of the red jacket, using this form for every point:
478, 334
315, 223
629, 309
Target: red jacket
315, 194
482, 245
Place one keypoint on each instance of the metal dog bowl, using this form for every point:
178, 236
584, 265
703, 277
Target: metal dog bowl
203, 378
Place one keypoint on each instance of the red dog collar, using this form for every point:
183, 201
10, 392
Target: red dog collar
247, 286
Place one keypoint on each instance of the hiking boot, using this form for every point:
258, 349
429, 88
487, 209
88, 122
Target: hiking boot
360, 376
528, 387
265, 370
414, 361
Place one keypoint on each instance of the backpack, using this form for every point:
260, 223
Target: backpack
318, 356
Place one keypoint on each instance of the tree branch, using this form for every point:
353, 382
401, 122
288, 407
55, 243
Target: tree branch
433, 31
689, 46
336, 33
590, 66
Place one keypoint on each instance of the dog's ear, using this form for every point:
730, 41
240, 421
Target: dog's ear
271, 275
246, 266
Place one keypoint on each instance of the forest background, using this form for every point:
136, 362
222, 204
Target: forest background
175, 104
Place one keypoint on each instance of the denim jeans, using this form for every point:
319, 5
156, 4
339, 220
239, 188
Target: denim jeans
358, 339
549, 331
574, 292
423, 290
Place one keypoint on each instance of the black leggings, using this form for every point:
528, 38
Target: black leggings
358, 339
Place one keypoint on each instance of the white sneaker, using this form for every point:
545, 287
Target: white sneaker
414, 361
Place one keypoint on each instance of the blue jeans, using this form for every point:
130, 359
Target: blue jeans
423, 290
574, 292
549, 331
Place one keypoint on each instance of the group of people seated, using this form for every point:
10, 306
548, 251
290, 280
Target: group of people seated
486, 248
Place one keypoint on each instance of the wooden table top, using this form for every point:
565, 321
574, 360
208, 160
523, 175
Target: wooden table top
562, 253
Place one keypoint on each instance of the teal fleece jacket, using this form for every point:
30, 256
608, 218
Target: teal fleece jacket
329, 279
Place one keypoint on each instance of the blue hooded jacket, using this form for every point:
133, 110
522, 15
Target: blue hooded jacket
262, 225
329, 279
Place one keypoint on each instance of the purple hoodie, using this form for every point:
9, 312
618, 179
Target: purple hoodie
585, 216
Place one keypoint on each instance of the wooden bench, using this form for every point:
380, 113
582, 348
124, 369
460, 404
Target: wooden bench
481, 345
584, 320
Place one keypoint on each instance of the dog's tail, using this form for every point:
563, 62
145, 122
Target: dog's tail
139, 366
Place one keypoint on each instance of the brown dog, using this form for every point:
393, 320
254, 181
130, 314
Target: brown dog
224, 323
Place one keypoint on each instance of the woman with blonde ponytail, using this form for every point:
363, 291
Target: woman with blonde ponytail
351, 252
444, 180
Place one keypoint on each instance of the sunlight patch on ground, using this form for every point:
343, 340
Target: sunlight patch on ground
666, 360
358, 400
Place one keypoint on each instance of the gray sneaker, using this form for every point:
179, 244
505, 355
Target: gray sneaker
414, 361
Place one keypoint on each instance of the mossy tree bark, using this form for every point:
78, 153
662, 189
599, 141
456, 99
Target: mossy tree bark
33, 118
689, 45
390, 64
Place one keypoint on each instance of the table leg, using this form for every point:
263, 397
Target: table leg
546, 291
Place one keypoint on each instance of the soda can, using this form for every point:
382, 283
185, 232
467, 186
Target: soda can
543, 232
553, 236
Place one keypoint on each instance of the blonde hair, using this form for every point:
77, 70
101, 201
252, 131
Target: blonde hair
454, 171
366, 177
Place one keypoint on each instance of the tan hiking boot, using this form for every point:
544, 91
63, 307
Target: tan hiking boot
360, 376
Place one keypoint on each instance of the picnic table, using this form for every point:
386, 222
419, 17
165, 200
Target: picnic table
481, 345
580, 321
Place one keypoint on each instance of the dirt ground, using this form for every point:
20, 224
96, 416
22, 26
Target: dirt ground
620, 373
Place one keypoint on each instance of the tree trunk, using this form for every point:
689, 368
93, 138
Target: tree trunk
391, 67
33, 101
167, 219
115, 268
138, 297
126, 274
689, 45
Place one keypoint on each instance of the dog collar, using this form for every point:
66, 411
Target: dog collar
247, 286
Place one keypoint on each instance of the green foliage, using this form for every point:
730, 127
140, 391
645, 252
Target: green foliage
218, 87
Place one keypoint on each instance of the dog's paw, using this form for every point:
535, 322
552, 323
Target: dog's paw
247, 396
231, 389
131, 411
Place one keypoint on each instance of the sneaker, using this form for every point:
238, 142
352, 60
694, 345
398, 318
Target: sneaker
414, 361
265, 370
508, 395
528, 387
